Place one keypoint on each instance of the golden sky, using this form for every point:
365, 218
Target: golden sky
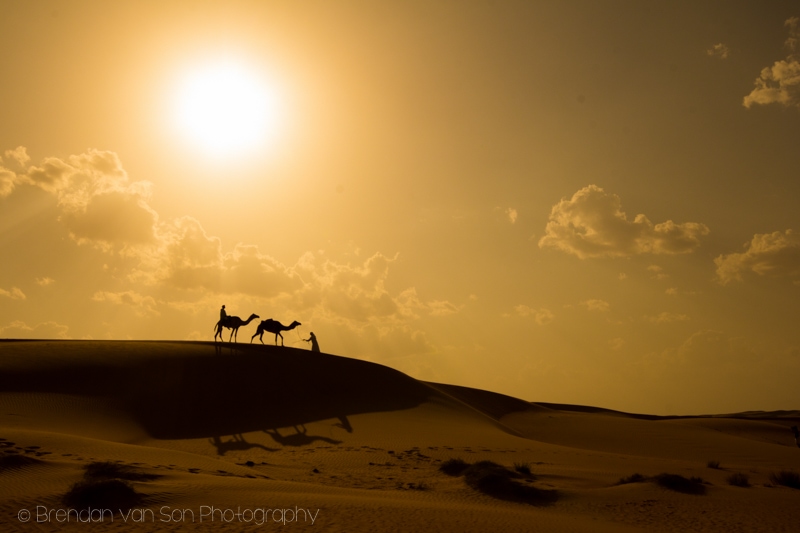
587, 202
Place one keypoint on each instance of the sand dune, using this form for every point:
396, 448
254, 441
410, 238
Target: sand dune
339, 444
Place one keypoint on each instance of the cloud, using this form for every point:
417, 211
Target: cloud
776, 254
658, 272
663, 318
512, 214
15, 293
101, 207
98, 204
142, 305
44, 330
780, 83
719, 50
596, 305
44, 282
592, 224
540, 316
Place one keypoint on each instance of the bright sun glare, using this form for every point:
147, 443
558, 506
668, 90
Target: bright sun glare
226, 109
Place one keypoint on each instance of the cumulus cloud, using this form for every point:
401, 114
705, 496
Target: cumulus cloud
540, 316
780, 83
14, 293
98, 204
592, 224
776, 254
719, 50
101, 207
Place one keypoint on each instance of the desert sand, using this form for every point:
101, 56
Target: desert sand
174, 436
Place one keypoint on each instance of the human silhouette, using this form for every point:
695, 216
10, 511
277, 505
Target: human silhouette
313, 340
796, 435
223, 315
233, 323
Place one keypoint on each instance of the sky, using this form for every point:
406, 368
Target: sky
587, 202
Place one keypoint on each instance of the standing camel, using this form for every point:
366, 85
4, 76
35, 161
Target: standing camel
234, 323
273, 326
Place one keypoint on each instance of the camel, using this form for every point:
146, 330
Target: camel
234, 323
273, 326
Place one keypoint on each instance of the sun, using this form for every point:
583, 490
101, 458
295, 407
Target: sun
226, 108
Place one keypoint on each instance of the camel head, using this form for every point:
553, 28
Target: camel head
294, 324
252, 317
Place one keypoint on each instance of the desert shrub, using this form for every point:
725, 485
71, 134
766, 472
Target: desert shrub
501, 483
713, 464
739, 480
524, 469
102, 494
454, 467
16, 461
678, 483
108, 470
787, 478
633, 478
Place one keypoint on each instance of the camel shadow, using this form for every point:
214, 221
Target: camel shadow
300, 438
237, 443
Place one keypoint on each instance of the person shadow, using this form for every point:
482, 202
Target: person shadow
237, 443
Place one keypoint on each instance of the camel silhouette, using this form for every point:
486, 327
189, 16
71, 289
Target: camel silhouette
273, 326
300, 438
233, 323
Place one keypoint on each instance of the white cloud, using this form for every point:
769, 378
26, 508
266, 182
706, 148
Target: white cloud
776, 254
719, 50
44, 282
592, 224
780, 83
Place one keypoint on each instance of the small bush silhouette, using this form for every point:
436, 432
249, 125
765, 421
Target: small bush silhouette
16, 461
454, 467
787, 478
633, 478
713, 464
108, 470
499, 482
679, 483
739, 480
524, 469
102, 494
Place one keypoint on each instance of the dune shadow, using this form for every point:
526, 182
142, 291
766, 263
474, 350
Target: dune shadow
181, 390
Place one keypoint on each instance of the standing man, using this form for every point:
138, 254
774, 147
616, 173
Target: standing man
313, 340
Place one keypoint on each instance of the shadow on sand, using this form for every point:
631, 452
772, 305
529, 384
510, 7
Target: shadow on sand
182, 390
